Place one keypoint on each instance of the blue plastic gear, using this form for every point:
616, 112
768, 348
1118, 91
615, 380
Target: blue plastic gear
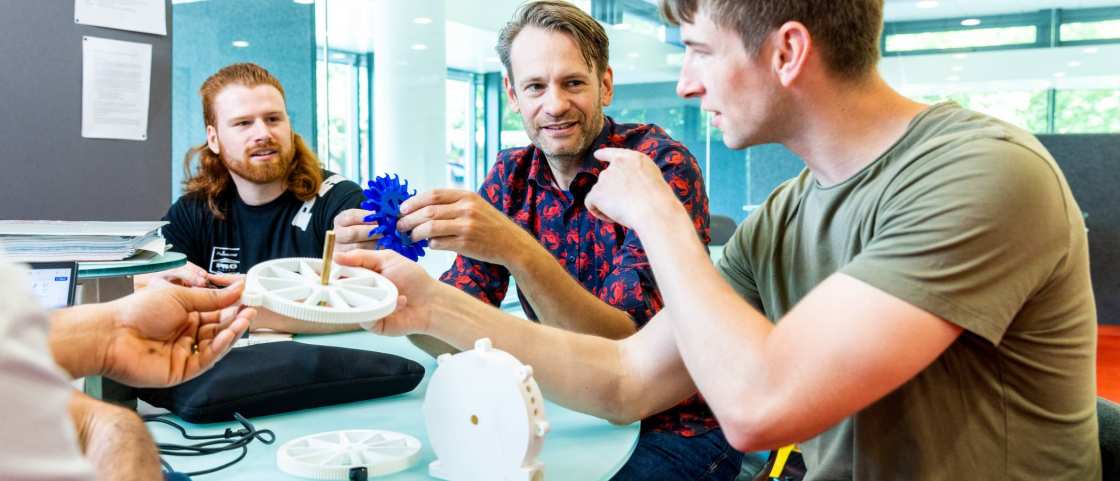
384, 197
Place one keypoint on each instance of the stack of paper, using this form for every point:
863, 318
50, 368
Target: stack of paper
46, 241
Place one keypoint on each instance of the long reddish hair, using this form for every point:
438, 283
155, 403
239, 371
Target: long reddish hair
212, 179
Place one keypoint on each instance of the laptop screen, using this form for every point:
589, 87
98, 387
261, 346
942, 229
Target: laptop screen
53, 283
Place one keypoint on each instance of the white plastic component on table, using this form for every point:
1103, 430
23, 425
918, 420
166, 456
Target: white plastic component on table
485, 417
293, 287
331, 455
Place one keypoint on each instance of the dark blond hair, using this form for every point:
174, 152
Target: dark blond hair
846, 30
212, 179
558, 16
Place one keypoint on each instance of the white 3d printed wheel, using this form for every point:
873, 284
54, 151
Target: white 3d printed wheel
331, 455
485, 417
292, 287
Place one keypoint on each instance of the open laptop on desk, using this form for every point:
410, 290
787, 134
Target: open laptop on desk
54, 283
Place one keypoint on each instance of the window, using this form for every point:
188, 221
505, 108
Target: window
1087, 111
955, 39
1108, 29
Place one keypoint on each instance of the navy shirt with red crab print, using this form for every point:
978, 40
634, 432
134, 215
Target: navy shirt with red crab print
606, 258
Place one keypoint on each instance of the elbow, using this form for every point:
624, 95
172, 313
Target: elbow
753, 429
622, 408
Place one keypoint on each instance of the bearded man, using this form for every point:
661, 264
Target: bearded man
259, 192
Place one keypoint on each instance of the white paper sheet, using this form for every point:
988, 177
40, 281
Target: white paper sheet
148, 16
116, 86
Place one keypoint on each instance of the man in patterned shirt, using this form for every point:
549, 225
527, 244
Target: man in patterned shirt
573, 271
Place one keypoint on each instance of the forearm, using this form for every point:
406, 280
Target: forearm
579, 371
114, 440
79, 338
724, 342
560, 301
267, 319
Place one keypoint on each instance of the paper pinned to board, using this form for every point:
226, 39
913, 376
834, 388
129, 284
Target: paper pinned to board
148, 16
116, 86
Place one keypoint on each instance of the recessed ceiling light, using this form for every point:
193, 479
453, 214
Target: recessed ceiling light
957, 68
422, 20
953, 78
419, 46
959, 56
304, 2
240, 43
621, 26
970, 22
927, 4
1074, 63
1090, 50
1059, 74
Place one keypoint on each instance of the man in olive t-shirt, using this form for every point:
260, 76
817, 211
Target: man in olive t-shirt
922, 308
970, 219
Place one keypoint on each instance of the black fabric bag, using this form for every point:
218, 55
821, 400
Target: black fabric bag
285, 376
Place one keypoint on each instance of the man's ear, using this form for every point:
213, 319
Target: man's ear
212, 140
792, 45
511, 94
608, 87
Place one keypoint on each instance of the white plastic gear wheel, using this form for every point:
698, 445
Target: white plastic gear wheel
485, 417
331, 455
292, 287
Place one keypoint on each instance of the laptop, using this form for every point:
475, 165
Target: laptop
54, 283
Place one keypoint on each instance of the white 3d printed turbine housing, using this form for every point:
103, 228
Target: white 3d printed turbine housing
485, 417
292, 287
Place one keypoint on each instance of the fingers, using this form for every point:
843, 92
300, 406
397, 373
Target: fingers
223, 280
376, 260
424, 214
436, 229
351, 231
611, 154
204, 300
213, 344
432, 197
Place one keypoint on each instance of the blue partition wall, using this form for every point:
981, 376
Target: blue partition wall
281, 38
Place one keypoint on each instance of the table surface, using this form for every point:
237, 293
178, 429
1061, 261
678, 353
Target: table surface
95, 270
577, 447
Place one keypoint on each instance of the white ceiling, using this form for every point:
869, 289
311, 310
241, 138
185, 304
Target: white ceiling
637, 55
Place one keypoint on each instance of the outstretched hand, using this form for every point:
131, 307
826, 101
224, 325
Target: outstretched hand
166, 335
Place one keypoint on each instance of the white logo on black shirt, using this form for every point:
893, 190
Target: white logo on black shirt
225, 260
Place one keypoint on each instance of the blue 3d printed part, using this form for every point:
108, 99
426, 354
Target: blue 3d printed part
384, 197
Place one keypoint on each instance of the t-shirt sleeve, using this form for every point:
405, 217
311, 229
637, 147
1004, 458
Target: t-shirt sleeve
38, 438
968, 234
735, 266
342, 196
183, 230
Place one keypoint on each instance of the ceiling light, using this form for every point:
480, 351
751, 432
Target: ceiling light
621, 26
1091, 50
927, 4
419, 46
422, 20
1074, 63
970, 22
240, 43
304, 2
959, 56
1059, 74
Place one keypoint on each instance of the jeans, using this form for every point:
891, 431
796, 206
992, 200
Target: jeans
661, 456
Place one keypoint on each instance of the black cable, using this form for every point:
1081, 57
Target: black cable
212, 443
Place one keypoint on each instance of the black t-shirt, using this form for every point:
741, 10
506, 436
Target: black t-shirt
255, 233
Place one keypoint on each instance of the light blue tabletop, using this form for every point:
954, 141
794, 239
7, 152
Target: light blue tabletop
578, 447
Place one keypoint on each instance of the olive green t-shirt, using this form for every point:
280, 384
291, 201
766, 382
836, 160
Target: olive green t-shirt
968, 218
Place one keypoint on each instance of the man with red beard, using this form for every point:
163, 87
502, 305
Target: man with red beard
259, 192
